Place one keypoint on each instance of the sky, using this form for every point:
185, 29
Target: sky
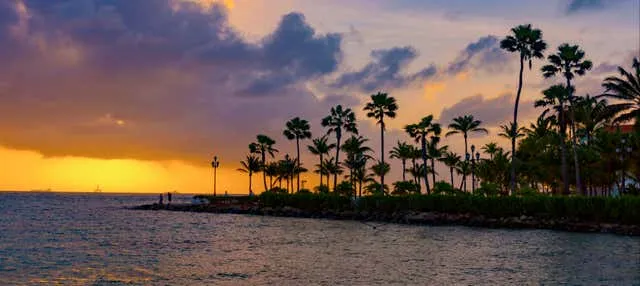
138, 96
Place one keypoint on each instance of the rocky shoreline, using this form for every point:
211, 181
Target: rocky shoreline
409, 217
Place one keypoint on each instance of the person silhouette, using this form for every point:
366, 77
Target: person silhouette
161, 199
169, 197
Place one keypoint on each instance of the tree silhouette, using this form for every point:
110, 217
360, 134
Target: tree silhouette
433, 151
264, 147
419, 132
451, 160
297, 129
569, 62
321, 147
403, 152
464, 125
339, 120
528, 42
625, 88
250, 165
381, 105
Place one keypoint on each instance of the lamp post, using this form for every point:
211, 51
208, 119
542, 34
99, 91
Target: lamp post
477, 160
623, 151
215, 164
473, 169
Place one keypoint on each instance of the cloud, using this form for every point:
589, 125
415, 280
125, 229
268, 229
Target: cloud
156, 80
576, 6
491, 111
387, 69
484, 55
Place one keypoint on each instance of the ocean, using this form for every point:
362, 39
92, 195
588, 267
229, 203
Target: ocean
91, 239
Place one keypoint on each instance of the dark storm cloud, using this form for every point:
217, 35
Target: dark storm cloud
484, 54
386, 70
491, 111
151, 80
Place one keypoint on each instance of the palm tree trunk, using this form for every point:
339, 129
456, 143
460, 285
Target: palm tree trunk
335, 176
451, 170
382, 150
424, 161
320, 166
298, 158
512, 181
250, 191
466, 151
563, 151
404, 170
574, 142
415, 178
264, 174
433, 171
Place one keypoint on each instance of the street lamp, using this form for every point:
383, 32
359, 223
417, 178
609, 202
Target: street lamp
623, 151
215, 164
473, 168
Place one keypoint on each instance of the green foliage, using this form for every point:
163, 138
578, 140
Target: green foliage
277, 190
444, 188
321, 189
345, 189
487, 189
305, 202
405, 187
527, 191
304, 191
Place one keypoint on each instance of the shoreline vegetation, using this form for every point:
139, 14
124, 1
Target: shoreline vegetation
619, 215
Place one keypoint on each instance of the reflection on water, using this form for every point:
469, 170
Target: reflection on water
90, 240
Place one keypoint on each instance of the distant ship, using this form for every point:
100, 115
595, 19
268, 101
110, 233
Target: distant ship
97, 190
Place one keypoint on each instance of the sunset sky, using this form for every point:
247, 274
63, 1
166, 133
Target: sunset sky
138, 96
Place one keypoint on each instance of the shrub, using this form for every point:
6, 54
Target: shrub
405, 187
345, 189
526, 192
444, 188
304, 191
278, 190
487, 189
321, 189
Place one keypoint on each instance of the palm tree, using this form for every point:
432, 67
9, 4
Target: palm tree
529, 44
451, 160
464, 125
511, 132
490, 148
355, 149
381, 105
592, 114
569, 62
321, 147
433, 151
250, 165
263, 146
555, 99
332, 168
339, 119
380, 169
403, 152
419, 132
271, 170
297, 129
627, 89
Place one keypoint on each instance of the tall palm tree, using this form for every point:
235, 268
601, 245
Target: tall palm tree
626, 88
419, 132
381, 105
569, 62
250, 165
321, 147
297, 129
403, 152
555, 99
451, 160
490, 148
417, 154
264, 147
464, 125
339, 120
528, 42
433, 151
